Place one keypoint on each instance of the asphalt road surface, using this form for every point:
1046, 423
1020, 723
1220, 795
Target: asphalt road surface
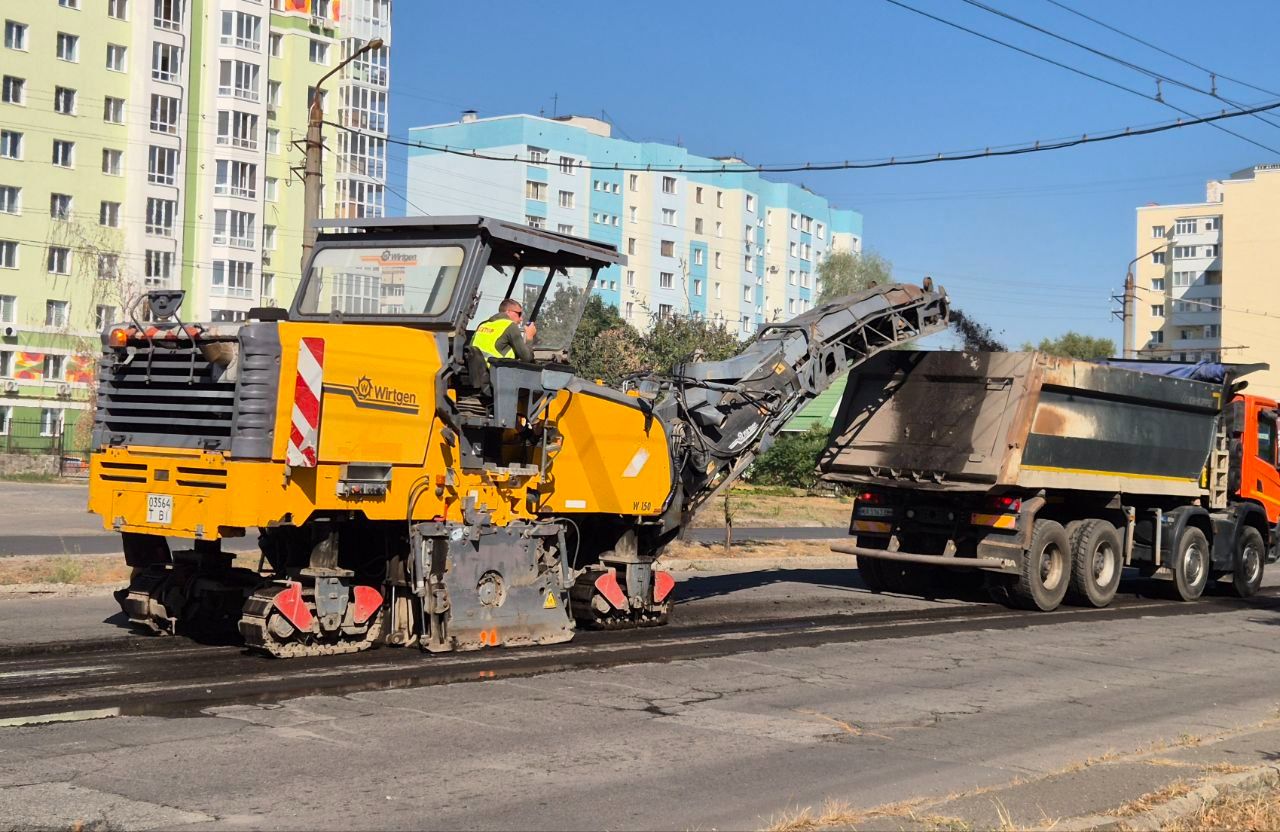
51, 519
747, 707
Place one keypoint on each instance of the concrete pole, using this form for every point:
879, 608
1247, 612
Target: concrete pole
312, 178
1129, 316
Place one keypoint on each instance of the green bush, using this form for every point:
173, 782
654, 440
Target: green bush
792, 461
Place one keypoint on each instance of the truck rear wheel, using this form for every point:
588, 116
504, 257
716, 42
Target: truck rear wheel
1190, 564
869, 572
1246, 571
1096, 562
1046, 569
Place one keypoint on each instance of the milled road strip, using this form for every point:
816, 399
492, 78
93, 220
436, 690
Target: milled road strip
255, 679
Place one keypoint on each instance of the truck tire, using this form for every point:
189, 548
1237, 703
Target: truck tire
869, 572
1046, 569
1096, 563
1190, 564
1246, 572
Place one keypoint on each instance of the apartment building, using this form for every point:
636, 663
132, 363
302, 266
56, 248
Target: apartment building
731, 247
1204, 277
151, 143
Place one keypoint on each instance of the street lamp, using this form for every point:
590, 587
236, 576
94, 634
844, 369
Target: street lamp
312, 172
1128, 311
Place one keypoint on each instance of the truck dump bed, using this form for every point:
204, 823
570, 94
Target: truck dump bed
976, 421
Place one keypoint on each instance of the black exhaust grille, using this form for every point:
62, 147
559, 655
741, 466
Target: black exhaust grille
167, 397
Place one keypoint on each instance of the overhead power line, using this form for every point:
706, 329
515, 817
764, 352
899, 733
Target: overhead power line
1029, 53
893, 161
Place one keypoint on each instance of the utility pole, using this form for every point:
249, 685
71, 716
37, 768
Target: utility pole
313, 166
1129, 306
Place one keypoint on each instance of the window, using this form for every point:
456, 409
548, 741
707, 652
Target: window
167, 14
697, 225
719, 199
69, 4
664, 310
1181, 279
119, 9
633, 182
112, 161
60, 206
1267, 439
273, 141
235, 178
697, 288
822, 232
162, 165
10, 144
717, 259
1157, 231
238, 79
1212, 223
630, 309
10, 199
667, 248
319, 52
68, 47
1211, 251
50, 421
699, 257
273, 94
64, 101
15, 35
668, 184
268, 286
8, 260
567, 165
113, 110
793, 248
109, 214
564, 229
719, 228
1184, 252
160, 214
14, 90
1157, 310
238, 129
1213, 331
234, 228
631, 245
537, 155
1184, 227
804, 280
59, 261
271, 189
159, 266
746, 293
269, 237
166, 61
6, 369
566, 199
241, 30
115, 57
1157, 284
1157, 336
1157, 257
104, 316
668, 216
666, 280
232, 278
631, 277
108, 266
535, 222
535, 190
227, 316
164, 114
751, 202
748, 263
275, 45
717, 291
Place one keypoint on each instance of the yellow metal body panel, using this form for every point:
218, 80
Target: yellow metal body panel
615, 459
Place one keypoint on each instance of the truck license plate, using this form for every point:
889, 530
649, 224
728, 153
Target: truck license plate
159, 508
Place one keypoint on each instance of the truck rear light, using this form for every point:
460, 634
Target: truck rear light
871, 498
119, 338
1011, 504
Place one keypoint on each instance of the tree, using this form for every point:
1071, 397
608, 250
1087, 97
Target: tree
605, 346
677, 338
843, 273
1076, 345
791, 460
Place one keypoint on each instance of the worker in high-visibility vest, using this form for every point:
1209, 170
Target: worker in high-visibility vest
502, 336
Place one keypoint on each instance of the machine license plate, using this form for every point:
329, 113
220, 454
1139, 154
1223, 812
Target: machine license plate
869, 511
159, 508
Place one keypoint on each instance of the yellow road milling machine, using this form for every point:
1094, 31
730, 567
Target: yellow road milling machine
404, 490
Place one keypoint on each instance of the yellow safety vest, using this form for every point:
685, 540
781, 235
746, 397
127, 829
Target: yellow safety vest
486, 339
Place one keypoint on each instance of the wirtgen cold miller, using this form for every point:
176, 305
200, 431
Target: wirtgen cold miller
402, 491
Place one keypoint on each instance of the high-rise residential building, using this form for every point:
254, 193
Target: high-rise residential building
153, 143
732, 247
1204, 277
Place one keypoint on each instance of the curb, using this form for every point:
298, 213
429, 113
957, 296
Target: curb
750, 564
1179, 807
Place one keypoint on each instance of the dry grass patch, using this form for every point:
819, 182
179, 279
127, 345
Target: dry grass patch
838, 814
1257, 808
1149, 801
20, 571
752, 549
766, 507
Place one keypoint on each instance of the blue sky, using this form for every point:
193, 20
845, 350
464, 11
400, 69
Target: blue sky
1032, 246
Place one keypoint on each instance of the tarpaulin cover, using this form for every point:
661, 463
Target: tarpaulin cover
1202, 371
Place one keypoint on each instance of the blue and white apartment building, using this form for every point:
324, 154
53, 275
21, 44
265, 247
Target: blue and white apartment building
729, 247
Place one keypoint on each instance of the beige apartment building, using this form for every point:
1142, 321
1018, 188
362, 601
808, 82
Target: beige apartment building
1205, 277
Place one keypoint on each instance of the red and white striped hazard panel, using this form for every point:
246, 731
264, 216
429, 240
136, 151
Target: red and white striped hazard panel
304, 436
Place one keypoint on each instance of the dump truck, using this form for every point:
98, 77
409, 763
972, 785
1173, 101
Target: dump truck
404, 490
1051, 475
